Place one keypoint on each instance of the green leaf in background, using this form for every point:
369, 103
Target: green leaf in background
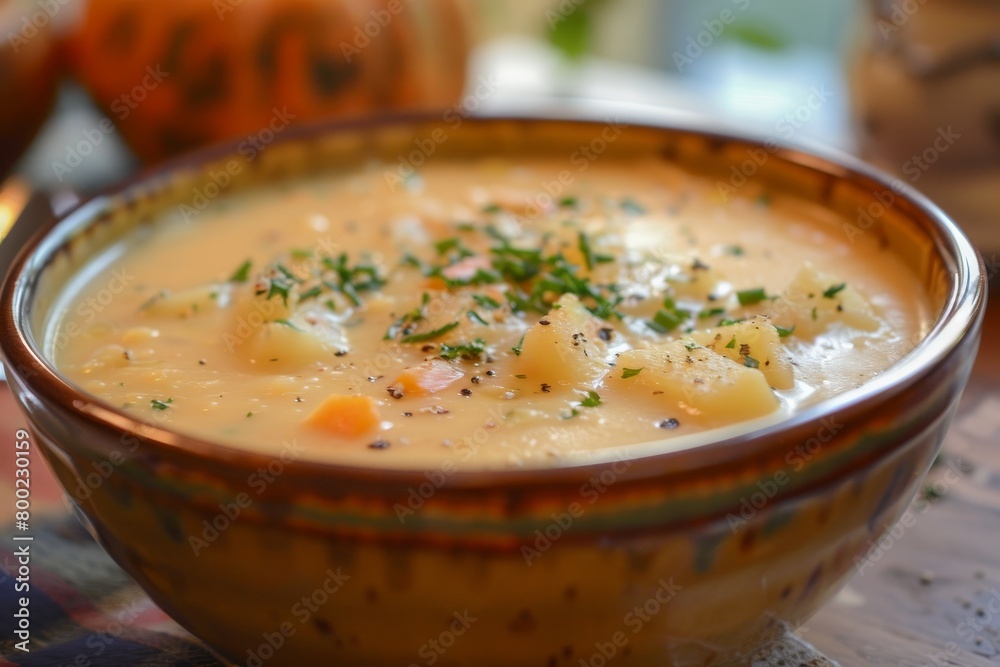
571, 32
756, 36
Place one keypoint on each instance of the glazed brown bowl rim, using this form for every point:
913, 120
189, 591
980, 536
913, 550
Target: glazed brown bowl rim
961, 311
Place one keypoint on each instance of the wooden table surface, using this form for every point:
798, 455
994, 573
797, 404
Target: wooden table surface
929, 593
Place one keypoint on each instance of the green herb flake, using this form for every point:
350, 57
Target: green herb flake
588, 254
287, 323
750, 362
285, 271
492, 209
486, 302
667, 318
569, 202
592, 400
630, 372
517, 348
241, 274
446, 246
469, 351
731, 344
474, 317
311, 293
784, 332
430, 335
161, 405
712, 312
833, 290
734, 250
277, 287
815, 316
751, 296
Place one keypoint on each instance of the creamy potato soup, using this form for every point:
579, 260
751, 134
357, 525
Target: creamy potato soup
468, 316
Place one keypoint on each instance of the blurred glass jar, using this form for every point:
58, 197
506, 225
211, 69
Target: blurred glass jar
28, 73
926, 99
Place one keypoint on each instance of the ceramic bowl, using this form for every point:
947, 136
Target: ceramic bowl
672, 556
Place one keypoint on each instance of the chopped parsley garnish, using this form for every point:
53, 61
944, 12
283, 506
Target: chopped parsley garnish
473, 350
712, 312
311, 293
728, 322
474, 316
287, 323
833, 290
734, 250
592, 400
667, 318
517, 348
751, 296
536, 280
241, 274
784, 332
161, 405
429, 335
492, 208
569, 202
351, 280
630, 372
405, 323
814, 315
691, 345
590, 258
446, 246
486, 302
285, 271
731, 344
750, 362
277, 286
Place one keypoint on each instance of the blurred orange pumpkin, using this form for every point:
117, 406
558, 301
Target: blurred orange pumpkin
178, 74
28, 76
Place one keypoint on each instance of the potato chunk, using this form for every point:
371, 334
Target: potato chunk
564, 348
282, 347
814, 301
188, 302
698, 382
752, 341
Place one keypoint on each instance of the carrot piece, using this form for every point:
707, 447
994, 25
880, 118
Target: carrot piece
427, 378
345, 415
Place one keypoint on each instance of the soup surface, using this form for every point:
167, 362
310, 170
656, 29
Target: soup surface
469, 317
